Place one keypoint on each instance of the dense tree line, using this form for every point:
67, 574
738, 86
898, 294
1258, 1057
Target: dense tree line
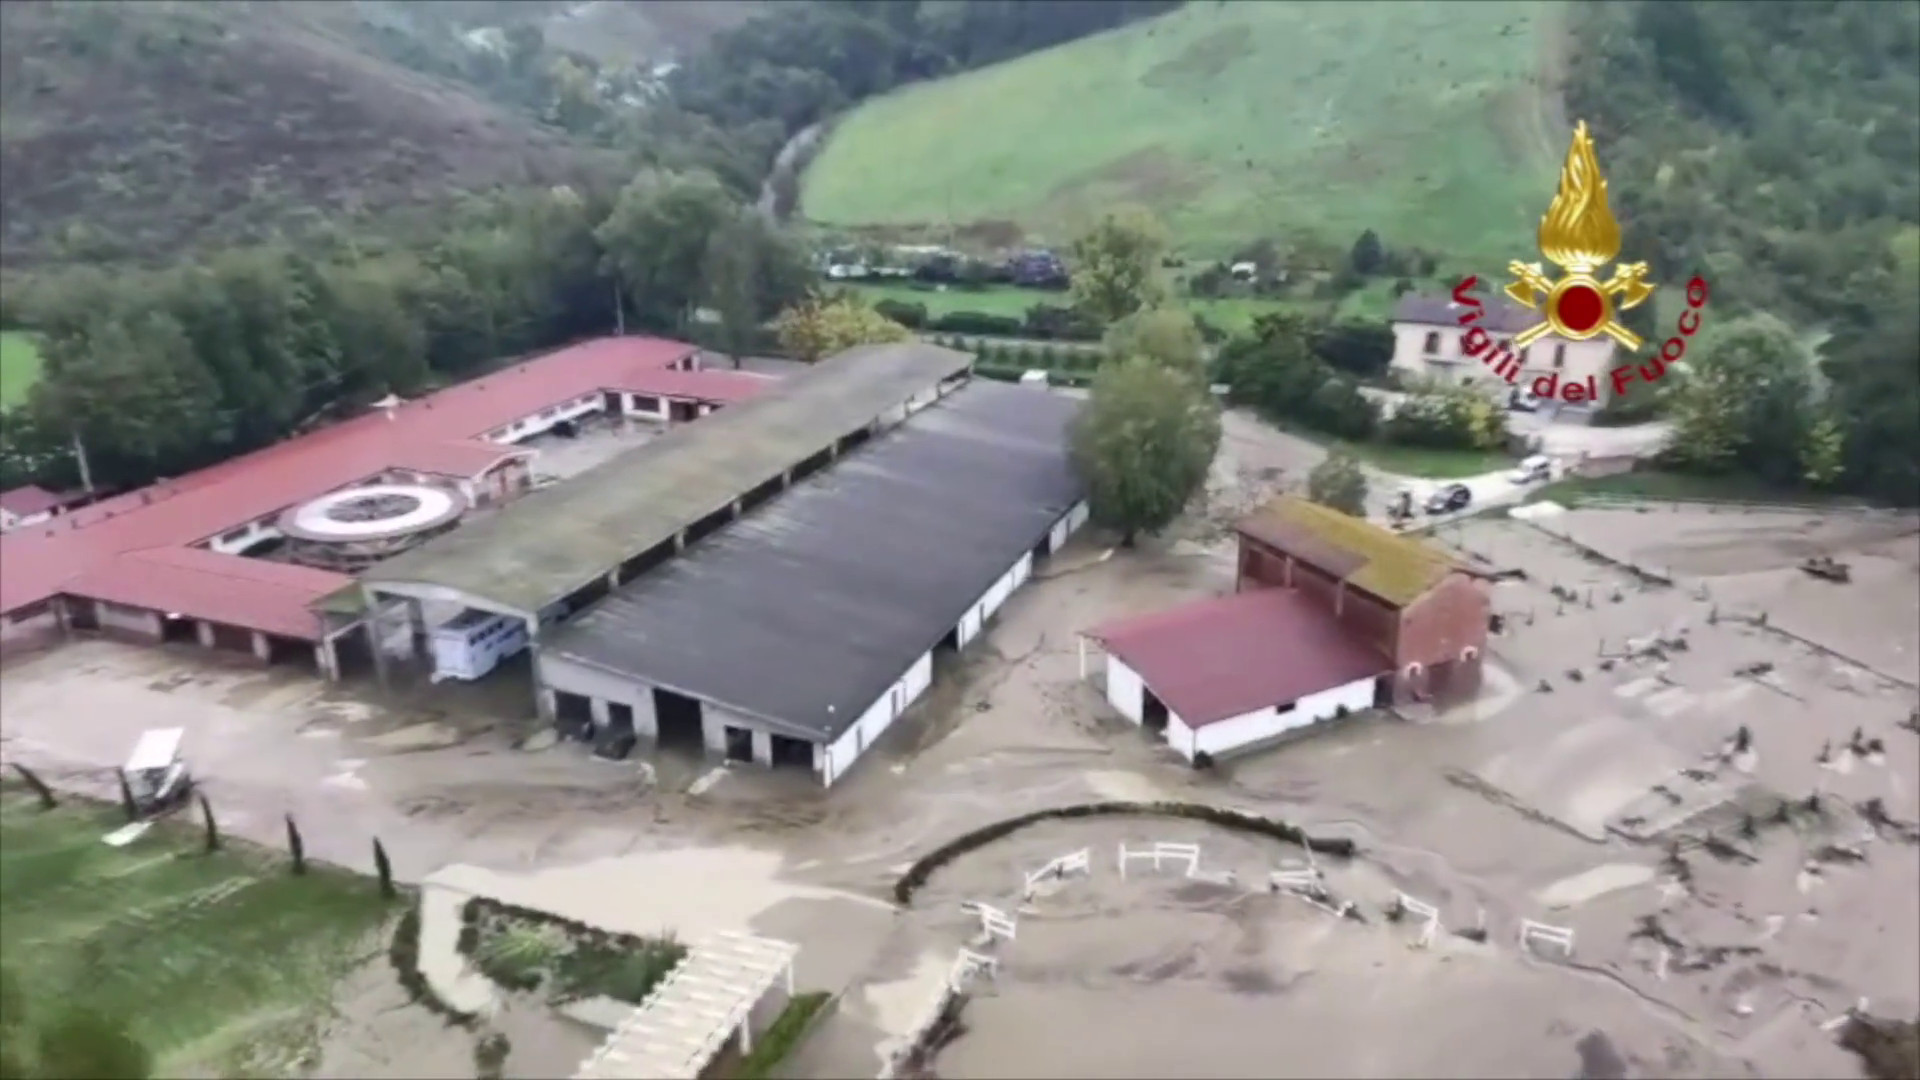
159, 372
729, 108
1775, 150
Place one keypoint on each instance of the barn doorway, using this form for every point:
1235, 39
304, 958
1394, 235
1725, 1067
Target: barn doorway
1153, 712
179, 628
572, 714
620, 717
789, 752
739, 743
682, 411
681, 725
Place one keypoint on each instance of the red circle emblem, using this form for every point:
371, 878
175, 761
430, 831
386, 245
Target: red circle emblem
1581, 308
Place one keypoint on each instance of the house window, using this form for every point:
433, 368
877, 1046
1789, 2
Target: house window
1433, 342
1559, 356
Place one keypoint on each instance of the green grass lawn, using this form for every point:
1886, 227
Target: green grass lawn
221, 965
1671, 485
19, 366
1429, 123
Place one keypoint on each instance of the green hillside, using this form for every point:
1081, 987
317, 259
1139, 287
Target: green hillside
1426, 122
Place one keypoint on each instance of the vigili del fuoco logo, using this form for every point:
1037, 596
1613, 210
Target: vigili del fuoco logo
1578, 234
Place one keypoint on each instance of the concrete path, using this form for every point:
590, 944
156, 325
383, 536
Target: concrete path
453, 980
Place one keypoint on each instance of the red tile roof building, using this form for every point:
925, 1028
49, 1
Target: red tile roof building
144, 549
1331, 615
29, 501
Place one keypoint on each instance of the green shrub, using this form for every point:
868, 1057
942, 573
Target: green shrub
518, 955
977, 322
1057, 322
911, 316
622, 970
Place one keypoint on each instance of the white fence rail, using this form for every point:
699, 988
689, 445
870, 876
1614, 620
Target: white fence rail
1074, 862
1428, 915
1162, 853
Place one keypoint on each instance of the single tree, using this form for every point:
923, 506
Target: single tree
816, 328
39, 786
1339, 481
296, 847
1143, 444
656, 239
1116, 266
1167, 336
1369, 255
127, 804
384, 868
208, 826
730, 282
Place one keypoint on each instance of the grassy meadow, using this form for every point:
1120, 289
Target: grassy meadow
1429, 123
19, 366
221, 964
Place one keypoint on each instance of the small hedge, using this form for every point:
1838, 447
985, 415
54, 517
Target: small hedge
976, 322
773, 1045
911, 316
922, 869
527, 950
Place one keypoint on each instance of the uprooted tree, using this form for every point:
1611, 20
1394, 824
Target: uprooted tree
1143, 445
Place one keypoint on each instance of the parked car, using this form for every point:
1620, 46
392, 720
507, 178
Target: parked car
1537, 467
1449, 498
1523, 401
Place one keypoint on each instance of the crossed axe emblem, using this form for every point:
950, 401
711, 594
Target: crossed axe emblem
1628, 288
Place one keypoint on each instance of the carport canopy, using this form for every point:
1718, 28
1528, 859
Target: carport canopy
1227, 656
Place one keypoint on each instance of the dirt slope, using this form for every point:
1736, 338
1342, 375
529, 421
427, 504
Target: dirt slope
134, 129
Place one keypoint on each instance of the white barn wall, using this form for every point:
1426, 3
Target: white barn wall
1182, 738
598, 687
894, 700
1124, 689
1226, 735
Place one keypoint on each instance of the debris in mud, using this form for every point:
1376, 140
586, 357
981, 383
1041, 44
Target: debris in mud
1685, 957
1912, 722
1754, 670
1890, 1049
1726, 851
1599, 1058
1874, 812
1840, 853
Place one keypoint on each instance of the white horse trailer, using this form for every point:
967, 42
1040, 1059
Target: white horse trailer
473, 644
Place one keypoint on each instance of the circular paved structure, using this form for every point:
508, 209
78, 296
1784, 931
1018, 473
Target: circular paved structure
353, 529
380, 512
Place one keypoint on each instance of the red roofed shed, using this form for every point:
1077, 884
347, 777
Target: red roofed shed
1222, 673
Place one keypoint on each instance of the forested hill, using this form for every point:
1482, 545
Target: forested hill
1773, 147
132, 130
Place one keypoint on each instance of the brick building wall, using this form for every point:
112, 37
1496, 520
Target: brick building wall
1436, 643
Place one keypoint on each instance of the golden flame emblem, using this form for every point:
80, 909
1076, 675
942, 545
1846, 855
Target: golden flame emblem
1579, 234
